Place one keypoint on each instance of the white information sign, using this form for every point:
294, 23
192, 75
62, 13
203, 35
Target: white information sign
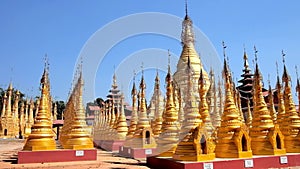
148, 151
208, 165
79, 153
283, 160
249, 163
129, 151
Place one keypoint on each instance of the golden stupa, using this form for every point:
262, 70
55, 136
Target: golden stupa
291, 123
195, 144
7, 119
41, 136
188, 50
143, 136
122, 128
156, 108
266, 138
134, 116
233, 140
281, 108
76, 134
212, 100
168, 138
15, 112
203, 106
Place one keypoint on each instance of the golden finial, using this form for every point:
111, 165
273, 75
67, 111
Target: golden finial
186, 8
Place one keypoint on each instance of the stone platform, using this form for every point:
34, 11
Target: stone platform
56, 156
136, 153
109, 145
257, 162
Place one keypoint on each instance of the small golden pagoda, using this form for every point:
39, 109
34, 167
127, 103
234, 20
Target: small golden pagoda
27, 127
77, 137
134, 116
41, 136
168, 138
233, 140
195, 144
143, 136
213, 102
203, 106
122, 128
7, 119
15, 112
266, 138
156, 108
281, 108
291, 123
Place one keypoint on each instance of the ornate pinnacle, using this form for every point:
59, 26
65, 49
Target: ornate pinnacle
187, 34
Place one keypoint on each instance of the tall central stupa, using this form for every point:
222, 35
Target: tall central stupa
188, 50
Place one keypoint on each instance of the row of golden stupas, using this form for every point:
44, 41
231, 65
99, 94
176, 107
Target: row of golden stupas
17, 116
74, 134
195, 121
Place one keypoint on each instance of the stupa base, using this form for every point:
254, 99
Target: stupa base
257, 162
109, 145
56, 156
200, 157
136, 153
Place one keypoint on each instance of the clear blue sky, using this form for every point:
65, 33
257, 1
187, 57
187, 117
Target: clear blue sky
30, 29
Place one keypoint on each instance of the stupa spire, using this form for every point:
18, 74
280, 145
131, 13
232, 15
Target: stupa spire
134, 116
187, 34
271, 105
281, 108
